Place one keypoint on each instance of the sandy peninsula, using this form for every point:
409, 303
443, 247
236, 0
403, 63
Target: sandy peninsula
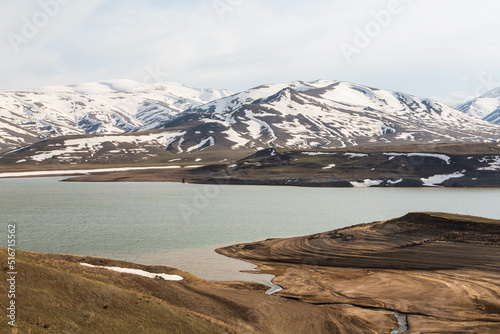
434, 273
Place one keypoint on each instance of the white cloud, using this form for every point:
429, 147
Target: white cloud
423, 51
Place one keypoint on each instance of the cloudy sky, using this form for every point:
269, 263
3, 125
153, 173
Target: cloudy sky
448, 49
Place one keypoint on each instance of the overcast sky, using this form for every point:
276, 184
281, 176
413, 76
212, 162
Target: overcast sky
447, 50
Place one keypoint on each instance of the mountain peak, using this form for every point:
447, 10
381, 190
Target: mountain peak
123, 86
494, 93
486, 106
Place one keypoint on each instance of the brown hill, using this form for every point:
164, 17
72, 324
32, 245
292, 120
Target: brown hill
440, 271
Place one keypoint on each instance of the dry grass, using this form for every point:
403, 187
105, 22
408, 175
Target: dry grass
56, 296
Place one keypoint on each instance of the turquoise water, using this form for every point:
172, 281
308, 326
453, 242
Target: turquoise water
139, 221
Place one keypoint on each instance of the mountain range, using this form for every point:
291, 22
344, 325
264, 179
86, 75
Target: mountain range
91, 122
111, 107
329, 114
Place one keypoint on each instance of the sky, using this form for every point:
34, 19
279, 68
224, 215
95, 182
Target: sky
446, 50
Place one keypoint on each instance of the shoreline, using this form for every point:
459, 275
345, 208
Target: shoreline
458, 165
438, 271
203, 262
180, 174
70, 172
208, 264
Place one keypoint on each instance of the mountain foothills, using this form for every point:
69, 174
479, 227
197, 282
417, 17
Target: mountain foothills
125, 121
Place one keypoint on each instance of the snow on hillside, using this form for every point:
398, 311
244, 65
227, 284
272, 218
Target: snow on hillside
139, 272
486, 106
71, 148
318, 114
336, 114
258, 94
110, 107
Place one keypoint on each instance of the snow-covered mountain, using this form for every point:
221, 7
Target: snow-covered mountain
486, 106
319, 114
110, 107
325, 114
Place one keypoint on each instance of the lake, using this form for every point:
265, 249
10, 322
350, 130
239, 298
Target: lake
179, 225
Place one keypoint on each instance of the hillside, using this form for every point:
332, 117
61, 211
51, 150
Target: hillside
450, 165
486, 106
438, 273
109, 107
431, 165
122, 121
56, 294
329, 114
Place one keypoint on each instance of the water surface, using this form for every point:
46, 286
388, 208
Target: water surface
179, 225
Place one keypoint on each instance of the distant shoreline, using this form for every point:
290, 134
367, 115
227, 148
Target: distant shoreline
71, 172
180, 174
475, 165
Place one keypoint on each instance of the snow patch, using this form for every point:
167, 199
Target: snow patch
318, 153
394, 182
210, 140
235, 137
94, 144
329, 166
494, 162
436, 180
443, 157
406, 136
137, 272
366, 183
356, 155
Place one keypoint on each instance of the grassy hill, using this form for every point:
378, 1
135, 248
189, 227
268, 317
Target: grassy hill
55, 295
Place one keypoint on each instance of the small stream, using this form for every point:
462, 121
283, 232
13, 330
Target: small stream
400, 318
402, 322
274, 288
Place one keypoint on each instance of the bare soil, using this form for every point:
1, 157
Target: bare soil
441, 271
